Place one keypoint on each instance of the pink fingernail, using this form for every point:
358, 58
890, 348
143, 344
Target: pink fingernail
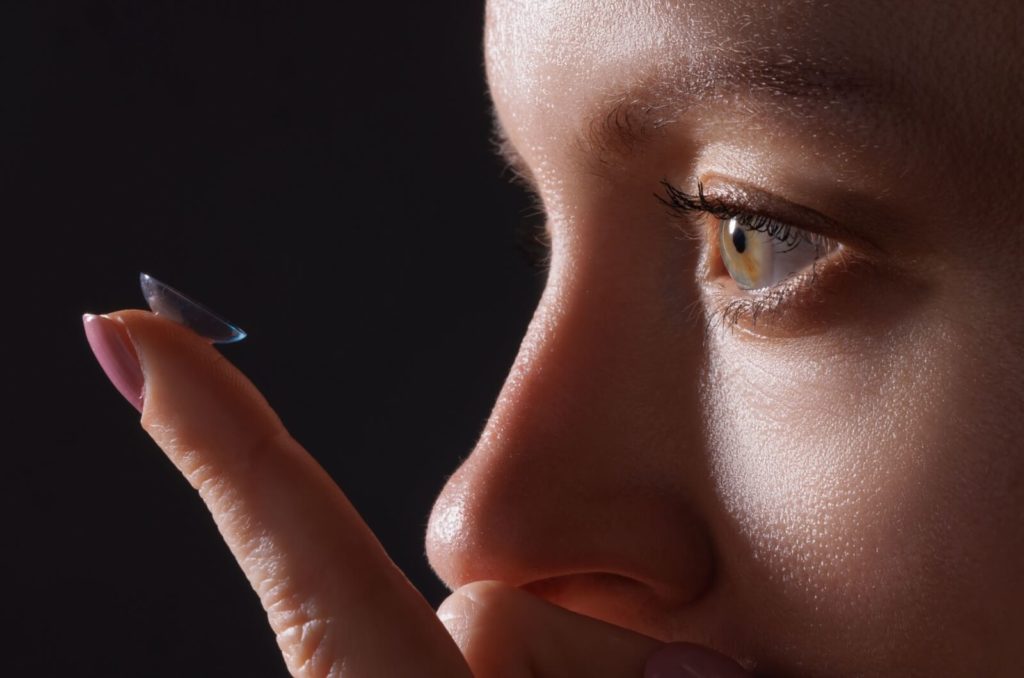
116, 355
686, 660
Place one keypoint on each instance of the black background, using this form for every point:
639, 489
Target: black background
319, 173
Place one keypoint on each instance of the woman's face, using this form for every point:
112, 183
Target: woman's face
824, 474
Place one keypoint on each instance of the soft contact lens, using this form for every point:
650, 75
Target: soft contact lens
169, 303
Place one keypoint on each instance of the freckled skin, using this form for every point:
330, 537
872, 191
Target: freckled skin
837, 488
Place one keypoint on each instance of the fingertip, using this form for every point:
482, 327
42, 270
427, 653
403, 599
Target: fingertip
194, 398
116, 355
500, 628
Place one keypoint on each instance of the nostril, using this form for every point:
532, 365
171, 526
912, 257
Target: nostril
571, 548
588, 582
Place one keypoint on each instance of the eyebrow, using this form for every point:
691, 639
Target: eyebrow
795, 85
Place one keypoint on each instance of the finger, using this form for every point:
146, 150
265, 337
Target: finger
504, 631
337, 603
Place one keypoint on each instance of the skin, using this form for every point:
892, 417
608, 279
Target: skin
828, 484
845, 464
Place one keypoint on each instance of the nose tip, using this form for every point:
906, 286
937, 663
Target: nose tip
628, 556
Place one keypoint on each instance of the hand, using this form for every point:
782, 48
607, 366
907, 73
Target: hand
338, 605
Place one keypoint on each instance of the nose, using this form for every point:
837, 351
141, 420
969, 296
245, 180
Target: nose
589, 484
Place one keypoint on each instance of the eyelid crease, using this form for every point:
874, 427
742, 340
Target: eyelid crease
732, 201
783, 231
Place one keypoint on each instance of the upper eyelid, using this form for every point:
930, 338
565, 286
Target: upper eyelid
733, 200
681, 202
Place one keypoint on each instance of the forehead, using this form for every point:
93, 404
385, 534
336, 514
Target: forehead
559, 50
553, 64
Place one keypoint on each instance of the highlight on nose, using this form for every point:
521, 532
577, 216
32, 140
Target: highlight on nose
625, 559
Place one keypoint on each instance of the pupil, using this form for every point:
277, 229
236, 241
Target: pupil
739, 237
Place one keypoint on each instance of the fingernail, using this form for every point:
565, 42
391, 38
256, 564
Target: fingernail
168, 302
115, 353
686, 660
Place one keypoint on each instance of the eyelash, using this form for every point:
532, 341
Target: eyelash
533, 242
754, 305
684, 204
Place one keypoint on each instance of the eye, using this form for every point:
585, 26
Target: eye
759, 252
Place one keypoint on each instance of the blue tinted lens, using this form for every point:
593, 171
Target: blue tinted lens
168, 302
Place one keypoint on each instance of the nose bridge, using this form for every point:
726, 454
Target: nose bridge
590, 462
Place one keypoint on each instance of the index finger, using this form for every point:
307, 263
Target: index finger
335, 600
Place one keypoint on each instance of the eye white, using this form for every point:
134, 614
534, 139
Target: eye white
757, 258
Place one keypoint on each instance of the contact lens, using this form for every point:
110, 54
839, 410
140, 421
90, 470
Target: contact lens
169, 303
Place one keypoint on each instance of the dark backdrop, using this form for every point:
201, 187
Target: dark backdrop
318, 172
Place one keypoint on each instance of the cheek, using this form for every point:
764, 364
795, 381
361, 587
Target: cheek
802, 462
843, 475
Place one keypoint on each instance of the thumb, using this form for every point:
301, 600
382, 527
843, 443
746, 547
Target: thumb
505, 631
332, 595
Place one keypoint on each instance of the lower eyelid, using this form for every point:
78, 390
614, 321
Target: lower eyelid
778, 311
